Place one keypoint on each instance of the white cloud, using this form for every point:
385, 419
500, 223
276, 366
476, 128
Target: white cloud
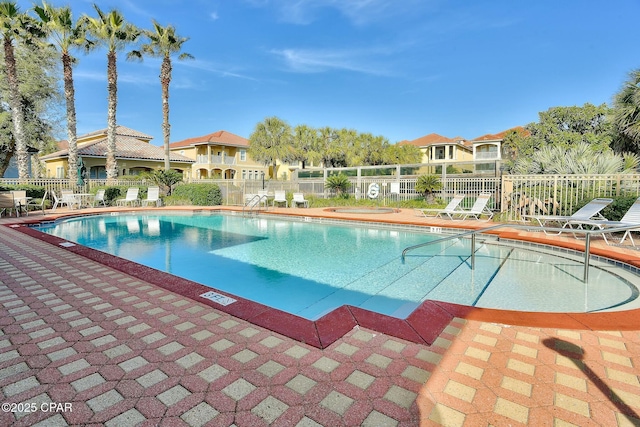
314, 61
214, 16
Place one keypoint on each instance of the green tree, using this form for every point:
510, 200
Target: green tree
625, 115
66, 34
427, 184
113, 32
166, 179
305, 146
271, 141
163, 43
13, 27
395, 154
332, 148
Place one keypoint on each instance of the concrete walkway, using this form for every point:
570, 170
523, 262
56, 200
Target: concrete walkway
85, 344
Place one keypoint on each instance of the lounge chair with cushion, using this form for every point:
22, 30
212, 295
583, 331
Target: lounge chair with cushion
279, 198
631, 217
298, 199
479, 208
588, 212
131, 197
450, 210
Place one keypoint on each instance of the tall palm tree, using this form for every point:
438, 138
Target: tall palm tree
626, 115
66, 34
13, 24
111, 31
163, 43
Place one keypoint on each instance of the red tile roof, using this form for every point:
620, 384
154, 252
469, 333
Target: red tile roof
432, 138
221, 137
120, 130
127, 147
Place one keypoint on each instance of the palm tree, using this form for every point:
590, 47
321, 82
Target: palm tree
111, 30
58, 24
13, 25
626, 115
163, 43
271, 141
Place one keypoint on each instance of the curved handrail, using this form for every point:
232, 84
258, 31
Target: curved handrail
473, 233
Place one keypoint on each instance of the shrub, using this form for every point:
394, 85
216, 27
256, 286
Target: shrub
339, 184
199, 194
427, 184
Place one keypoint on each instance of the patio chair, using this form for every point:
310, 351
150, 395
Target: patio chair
450, 210
479, 208
99, 199
153, 196
130, 198
279, 198
38, 203
298, 199
586, 213
631, 217
7, 203
20, 199
66, 198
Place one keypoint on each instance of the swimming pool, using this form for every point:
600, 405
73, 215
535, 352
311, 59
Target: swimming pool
308, 268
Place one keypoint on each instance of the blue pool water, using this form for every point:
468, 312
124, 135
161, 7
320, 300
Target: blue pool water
309, 269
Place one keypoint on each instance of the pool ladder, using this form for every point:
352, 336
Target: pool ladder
253, 202
474, 233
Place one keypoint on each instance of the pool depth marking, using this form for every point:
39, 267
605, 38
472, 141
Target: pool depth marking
218, 298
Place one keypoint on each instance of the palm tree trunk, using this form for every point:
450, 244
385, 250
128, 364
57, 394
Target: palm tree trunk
112, 86
69, 95
165, 79
17, 114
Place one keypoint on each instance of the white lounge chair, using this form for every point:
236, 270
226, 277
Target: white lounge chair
153, 196
298, 199
280, 197
450, 210
479, 208
131, 197
20, 199
631, 217
99, 199
586, 213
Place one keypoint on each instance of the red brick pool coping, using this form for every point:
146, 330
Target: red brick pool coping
423, 325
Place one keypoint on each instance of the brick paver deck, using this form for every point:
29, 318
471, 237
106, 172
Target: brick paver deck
84, 344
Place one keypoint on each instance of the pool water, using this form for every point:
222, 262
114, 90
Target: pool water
309, 269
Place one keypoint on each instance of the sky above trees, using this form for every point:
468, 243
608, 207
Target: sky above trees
396, 68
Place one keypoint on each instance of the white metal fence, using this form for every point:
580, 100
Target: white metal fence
561, 194
514, 195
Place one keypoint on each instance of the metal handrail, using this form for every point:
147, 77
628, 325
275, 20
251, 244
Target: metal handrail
249, 203
473, 233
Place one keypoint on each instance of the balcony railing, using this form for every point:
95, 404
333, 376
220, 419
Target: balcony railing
487, 155
216, 160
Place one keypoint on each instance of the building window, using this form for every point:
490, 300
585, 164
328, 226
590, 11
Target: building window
59, 172
250, 174
244, 174
451, 151
243, 155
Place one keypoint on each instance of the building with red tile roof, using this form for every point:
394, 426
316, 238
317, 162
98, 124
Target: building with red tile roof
220, 154
134, 154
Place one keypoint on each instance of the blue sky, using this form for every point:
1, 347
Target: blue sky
397, 68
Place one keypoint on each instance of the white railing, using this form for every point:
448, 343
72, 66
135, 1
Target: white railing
561, 194
487, 155
215, 160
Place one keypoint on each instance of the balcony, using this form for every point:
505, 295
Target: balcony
216, 160
487, 155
